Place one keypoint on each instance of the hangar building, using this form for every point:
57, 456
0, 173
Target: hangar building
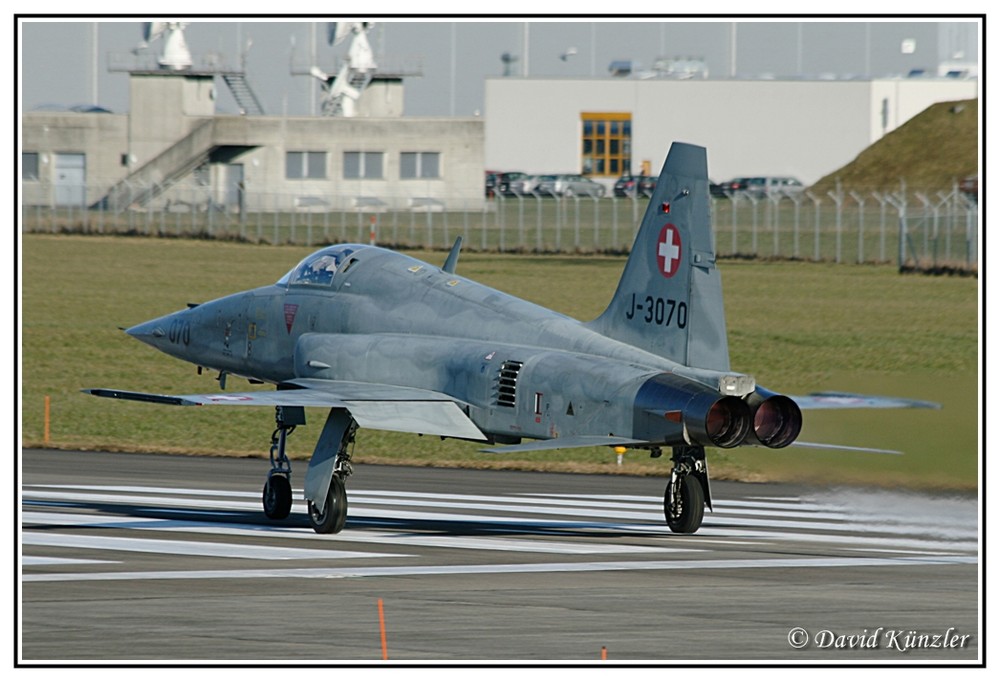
606, 127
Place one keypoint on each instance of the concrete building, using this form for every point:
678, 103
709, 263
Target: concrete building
604, 127
173, 151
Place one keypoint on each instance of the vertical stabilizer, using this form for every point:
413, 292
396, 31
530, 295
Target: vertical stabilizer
669, 299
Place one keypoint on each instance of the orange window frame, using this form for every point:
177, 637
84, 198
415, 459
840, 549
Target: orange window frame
605, 143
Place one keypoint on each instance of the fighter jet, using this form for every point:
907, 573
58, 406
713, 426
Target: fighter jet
385, 341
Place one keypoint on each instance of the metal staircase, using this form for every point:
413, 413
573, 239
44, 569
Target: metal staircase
243, 94
156, 176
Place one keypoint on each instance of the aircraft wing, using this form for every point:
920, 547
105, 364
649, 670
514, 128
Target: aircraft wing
560, 443
373, 406
834, 400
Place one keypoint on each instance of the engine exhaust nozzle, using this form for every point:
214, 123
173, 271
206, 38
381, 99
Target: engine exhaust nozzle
777, 420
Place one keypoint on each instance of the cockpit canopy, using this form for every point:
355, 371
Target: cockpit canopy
318, 269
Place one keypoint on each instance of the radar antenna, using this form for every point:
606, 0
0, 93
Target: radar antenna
342, 91
176, 55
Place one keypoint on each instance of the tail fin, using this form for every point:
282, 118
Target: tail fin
669, 299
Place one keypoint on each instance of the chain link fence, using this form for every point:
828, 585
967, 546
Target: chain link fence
916, 230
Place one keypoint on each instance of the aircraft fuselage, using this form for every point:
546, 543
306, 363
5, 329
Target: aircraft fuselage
383, 317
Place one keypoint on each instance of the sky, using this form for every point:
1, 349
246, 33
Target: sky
61, 64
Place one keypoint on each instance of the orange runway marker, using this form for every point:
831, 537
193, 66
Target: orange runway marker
381, 627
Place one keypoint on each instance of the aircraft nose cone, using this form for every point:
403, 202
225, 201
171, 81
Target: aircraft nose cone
162, 333
148, 331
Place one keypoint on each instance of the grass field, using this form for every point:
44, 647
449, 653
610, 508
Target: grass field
797, 327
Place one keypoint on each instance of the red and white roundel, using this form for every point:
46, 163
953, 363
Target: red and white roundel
668, 250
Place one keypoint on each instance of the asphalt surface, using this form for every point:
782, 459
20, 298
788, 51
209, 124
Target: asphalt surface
156, 558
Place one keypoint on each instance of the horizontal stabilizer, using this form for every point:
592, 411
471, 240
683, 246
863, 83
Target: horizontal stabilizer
846, 448
561, 443
833, 400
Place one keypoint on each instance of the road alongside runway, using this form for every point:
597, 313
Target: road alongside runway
147, 557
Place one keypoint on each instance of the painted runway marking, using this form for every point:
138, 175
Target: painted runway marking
348, 535
872, 532
59, 561
583, 567
211, 549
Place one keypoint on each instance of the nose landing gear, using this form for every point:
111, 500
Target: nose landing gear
277, 495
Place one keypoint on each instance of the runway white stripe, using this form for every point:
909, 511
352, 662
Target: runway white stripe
212, 549
582, 567
415, 539
60, 561
860, 523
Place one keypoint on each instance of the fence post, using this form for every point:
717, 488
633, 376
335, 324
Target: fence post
775, 201
576, 223
950, 220
927, 207
971, 218
538, 221
520, 223
881, 230
816, 202
734, 205
838, 199
614, 220
486, 206
597, 223
797, 201
860, 200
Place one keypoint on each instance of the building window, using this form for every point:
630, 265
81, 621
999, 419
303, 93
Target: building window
305, 165
419, 165
363, 165
606, 143
29, 165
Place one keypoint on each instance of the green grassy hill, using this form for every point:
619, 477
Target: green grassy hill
931, 151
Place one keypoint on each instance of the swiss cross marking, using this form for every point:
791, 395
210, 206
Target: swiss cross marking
668, 250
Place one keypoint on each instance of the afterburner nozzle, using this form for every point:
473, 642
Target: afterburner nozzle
728, 422
777, 420
684, 412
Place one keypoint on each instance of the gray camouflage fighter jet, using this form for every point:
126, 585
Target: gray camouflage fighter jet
389, 342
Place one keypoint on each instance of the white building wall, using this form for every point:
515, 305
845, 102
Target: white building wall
802, 128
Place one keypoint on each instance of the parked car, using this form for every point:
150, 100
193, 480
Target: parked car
635, 186
516, 184
491, 183
565, 185
763, 186
733, 186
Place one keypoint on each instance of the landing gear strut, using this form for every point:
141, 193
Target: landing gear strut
277, 496
326, 496
687, 493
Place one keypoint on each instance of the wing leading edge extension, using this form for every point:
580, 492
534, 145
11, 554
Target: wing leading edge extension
374, 406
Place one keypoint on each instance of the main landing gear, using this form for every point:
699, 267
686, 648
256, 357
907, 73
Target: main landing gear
325, 493
687, 493
331, 516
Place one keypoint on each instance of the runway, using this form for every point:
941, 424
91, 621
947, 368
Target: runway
130, 557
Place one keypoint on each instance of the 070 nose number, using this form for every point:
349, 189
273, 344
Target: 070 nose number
180, 332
